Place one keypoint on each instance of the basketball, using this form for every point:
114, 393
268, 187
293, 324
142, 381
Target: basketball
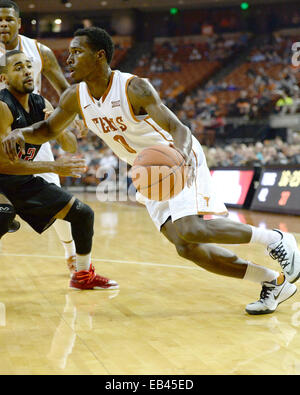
158, 173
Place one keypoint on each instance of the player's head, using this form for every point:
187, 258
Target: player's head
18, 72
10, 22
89, 48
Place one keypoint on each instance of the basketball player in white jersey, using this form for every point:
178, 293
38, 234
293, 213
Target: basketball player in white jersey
127, 113
43, 61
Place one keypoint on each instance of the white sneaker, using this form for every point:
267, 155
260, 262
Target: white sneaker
287, 254
271, 296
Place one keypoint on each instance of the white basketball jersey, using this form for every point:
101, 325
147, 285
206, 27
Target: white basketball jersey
112, 119
31, 48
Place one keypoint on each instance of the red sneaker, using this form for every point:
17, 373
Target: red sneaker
90, 280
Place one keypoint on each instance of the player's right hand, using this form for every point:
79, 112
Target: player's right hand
9, 144
70, 167
189, 165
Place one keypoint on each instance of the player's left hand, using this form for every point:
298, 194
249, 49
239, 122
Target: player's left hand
189, 164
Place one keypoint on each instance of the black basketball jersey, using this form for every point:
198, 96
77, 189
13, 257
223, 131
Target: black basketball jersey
22, 119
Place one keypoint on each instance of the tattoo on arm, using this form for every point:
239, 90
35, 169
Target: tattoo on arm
141, 88
142, 95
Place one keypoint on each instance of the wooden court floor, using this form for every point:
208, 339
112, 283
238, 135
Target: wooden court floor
169, 317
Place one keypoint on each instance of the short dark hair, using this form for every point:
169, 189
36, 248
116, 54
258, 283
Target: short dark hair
10, 4
98, 39
7, 56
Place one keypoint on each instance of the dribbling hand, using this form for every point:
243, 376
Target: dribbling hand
189, 165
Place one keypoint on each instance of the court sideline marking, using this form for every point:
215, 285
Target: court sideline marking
104, 260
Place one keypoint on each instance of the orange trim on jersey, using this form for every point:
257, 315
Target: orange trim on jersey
90, 95
150, 124
109, 87
129, 104
212, 213
40, 53
79, 103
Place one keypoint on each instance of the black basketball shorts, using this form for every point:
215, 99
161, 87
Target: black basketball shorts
36, 201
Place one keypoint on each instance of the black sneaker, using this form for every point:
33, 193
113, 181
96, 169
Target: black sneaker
14, 226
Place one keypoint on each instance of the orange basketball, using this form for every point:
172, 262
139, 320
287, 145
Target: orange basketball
158, 172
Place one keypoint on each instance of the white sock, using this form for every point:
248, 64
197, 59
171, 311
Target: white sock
70, 249
259, 274
83, 262
64, 232
264, 236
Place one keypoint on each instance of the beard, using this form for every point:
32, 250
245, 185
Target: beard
27, 89
5, 39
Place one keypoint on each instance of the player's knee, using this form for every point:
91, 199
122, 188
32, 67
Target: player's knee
182, 250
185, 250
81, 213
193, 230
7, 215
87, 215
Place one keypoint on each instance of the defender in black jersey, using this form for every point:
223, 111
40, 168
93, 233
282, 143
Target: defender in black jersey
36, 201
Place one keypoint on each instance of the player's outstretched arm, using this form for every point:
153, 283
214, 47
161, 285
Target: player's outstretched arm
66, 167
41, 132
67, 140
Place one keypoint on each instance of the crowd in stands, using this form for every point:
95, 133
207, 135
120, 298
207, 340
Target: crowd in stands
169, 54
269, 152
172, 64
265, 83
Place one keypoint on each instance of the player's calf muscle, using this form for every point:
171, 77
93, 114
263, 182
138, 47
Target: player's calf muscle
81, 217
